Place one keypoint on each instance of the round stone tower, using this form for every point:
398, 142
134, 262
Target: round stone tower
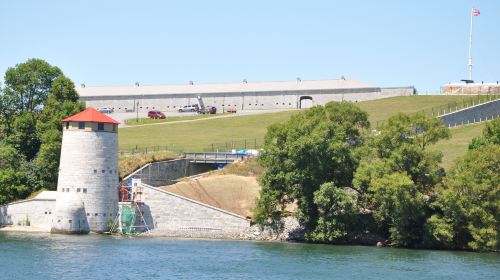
87, 196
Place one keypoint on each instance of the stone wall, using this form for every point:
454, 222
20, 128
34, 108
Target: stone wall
478, 113
36, 213
167, 172
471, 89
242, 100
397, 91
168, 214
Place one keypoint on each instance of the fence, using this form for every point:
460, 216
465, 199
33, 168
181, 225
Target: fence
182, 148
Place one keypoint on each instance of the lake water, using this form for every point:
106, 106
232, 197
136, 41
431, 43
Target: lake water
46, 256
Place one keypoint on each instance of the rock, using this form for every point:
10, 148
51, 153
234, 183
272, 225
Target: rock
380, 244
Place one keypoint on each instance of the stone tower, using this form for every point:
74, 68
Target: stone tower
87, 196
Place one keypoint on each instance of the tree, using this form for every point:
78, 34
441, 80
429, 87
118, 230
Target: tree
36, 97
491, 134
338, 213
396, 170
469, 207
12, 183
314, 147
398, 204
29, 84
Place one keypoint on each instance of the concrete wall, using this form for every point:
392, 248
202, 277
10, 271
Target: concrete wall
38, 213
481, 112
168, 214
471, 89
397, 91
242, 100
167, 172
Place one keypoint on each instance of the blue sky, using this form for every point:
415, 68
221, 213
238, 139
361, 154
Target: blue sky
388, 43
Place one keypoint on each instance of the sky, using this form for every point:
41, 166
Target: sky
386, 42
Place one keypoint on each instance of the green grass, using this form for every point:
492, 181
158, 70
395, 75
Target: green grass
169, 119
246, 131
382, 109
458, 144
199, 136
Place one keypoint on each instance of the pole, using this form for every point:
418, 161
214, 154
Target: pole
137, 112
469, 65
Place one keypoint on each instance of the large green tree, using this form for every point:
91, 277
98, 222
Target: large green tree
397, 170
468, 209
313, 148
12, 179
36, 97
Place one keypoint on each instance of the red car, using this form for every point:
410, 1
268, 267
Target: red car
155, 114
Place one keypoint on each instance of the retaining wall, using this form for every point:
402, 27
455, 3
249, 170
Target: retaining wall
478, 113
168, 214
397, 91
167, 172
36, 213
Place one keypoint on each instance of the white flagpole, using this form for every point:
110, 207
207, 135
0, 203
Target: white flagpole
470, 45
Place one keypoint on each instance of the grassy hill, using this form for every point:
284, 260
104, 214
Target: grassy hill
458, 144
250, 130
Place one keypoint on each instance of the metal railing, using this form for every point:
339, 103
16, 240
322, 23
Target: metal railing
212, 157
228, 146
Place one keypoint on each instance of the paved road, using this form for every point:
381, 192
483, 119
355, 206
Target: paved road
121, 117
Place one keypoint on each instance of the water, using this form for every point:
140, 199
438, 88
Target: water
46, 256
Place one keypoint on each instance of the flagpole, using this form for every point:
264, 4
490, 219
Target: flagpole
470, 45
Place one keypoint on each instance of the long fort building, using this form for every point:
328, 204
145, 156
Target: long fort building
294, 94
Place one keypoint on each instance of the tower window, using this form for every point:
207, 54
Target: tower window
78, 189
84, 190
103, 171
100, 126
95, 171
81, 125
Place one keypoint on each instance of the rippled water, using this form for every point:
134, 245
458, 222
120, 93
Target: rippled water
46, 256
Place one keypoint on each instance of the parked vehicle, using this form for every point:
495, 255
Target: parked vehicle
210, 110
105, 110
155, 114
231, 110
189, 108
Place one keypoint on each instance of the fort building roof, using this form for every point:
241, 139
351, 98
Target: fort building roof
242, 87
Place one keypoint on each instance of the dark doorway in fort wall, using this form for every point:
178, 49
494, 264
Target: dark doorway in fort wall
305, 102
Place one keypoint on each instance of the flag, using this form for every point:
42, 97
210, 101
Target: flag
475, 12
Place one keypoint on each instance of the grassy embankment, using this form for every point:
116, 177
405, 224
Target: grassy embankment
199, 136
141, 121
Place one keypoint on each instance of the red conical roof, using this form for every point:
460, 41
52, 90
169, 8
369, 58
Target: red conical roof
90, 115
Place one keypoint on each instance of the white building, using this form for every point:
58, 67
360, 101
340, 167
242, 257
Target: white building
241, 96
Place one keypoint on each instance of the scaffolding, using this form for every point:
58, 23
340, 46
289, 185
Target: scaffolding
130, 219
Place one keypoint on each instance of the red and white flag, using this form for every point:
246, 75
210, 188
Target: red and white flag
475, 12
